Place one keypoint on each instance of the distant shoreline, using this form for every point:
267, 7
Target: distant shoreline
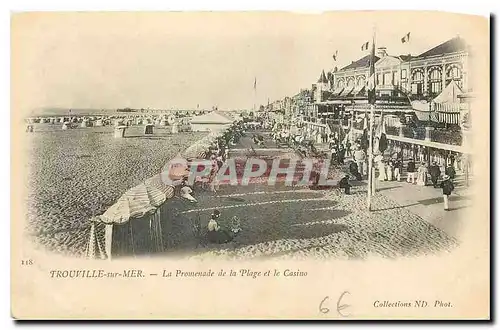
48, 112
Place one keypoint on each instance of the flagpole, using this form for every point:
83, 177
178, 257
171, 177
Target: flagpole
254, 93
372, 118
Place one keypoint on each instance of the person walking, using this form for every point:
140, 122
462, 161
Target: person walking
435, 173
340, 155
359, 158
411, 171
447, 187
390, 170
422, 174
398, 165
450, 171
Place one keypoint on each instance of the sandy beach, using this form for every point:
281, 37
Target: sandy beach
78, 173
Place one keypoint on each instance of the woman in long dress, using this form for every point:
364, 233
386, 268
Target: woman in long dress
381, 171
422, 175
390, 170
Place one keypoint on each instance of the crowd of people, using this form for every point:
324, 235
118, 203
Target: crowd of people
351, 157
217, 153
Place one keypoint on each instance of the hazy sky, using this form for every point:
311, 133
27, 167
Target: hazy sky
161, 60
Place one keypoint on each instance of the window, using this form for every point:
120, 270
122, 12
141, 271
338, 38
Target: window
403, 74
454, 73
378, 79
417, 82
436, 82
418, 76
361, 81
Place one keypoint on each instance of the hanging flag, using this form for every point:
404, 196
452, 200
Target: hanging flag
406, 38
371, 78
255, 83
365, 46
335, 55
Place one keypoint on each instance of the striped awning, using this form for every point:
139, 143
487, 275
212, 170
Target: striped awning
338, 91
347, 91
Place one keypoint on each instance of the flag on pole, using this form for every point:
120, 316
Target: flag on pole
335, 55
406, 38
365, 46
255, 83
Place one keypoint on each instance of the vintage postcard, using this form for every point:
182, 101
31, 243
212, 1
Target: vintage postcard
250, 165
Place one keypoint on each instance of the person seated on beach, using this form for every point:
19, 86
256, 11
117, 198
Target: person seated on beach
217, 234
186, 192
255, 139
353, 169
344, 184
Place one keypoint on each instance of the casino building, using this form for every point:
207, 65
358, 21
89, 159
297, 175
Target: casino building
431, 88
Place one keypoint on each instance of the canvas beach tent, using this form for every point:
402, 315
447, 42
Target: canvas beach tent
133, 225
446, 104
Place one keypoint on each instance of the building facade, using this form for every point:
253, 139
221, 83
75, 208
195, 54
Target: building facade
419, 77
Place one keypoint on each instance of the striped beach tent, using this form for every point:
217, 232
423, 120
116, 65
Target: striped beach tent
134, 203
133, 225
197, 151
96, 246
447, 105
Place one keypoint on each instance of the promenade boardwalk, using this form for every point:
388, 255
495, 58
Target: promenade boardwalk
294, 222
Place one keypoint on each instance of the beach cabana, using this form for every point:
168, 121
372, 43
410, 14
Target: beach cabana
85, 123
175, 128
133, 225
148, 129
214, 120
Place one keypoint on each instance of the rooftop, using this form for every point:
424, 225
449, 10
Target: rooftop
361, 63
322, 77
454, 45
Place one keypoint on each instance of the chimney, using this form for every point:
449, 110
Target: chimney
381, 52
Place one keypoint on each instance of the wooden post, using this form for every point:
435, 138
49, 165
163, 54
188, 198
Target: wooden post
370, 159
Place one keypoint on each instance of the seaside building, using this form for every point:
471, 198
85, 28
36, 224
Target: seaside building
424, 88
